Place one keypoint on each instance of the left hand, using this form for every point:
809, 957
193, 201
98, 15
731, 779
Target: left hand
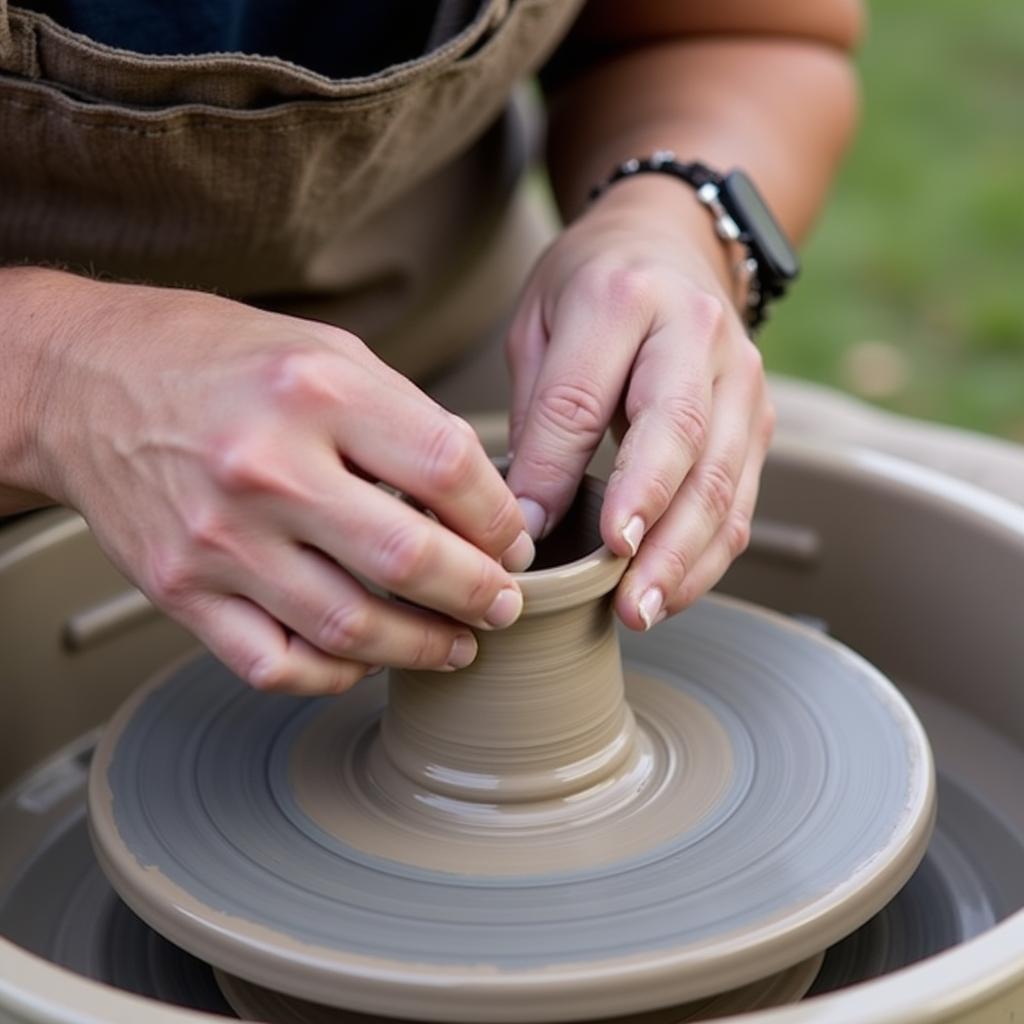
630, 314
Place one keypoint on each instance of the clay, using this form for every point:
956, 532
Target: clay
251, 1002
446, 864
365, 802
540, 715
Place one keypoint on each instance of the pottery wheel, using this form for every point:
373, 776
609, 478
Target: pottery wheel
77, 920
56, 902
785, 795
253, 1002
968, 881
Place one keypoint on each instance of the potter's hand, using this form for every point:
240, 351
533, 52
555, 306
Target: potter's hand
223, 457
629, 312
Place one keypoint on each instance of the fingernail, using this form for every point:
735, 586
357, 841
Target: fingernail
519, 554
463, 651
374, 669
505, 609
650, 607
535, 516
633, 532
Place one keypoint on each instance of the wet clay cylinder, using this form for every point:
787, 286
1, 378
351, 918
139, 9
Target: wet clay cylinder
541, 713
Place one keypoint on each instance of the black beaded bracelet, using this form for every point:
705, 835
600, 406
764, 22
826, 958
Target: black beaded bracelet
662, 161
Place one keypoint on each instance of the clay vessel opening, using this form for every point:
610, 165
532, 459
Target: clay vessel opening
576, 536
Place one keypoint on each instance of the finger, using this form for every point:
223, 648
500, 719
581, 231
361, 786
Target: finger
729, 543
437, 459
668, 408
592, 343
321, 602
261, 652
524, 355
676, 543
383, 539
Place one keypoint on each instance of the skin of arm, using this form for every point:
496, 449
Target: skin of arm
22, 399
630, 318
737, 83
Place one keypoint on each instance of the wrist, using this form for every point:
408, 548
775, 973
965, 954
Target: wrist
40, 316
739, 213
663, 207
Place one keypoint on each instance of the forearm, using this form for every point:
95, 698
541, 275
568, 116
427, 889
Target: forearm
32, 329
780, 105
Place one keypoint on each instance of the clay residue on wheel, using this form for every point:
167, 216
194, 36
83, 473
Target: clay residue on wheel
681, 770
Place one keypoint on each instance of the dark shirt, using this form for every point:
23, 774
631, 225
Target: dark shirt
337, 38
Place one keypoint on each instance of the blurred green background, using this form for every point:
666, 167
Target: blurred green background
912, 294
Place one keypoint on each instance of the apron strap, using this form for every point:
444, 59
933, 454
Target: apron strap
6, 42
17, 42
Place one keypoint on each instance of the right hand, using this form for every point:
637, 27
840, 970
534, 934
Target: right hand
226, 460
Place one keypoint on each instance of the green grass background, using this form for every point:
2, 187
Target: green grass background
921, 249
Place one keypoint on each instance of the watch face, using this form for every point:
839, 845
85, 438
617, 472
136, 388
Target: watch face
768, 243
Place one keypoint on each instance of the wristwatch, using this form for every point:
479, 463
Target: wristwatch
740, 214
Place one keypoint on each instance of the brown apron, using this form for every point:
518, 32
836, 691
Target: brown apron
354, 200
